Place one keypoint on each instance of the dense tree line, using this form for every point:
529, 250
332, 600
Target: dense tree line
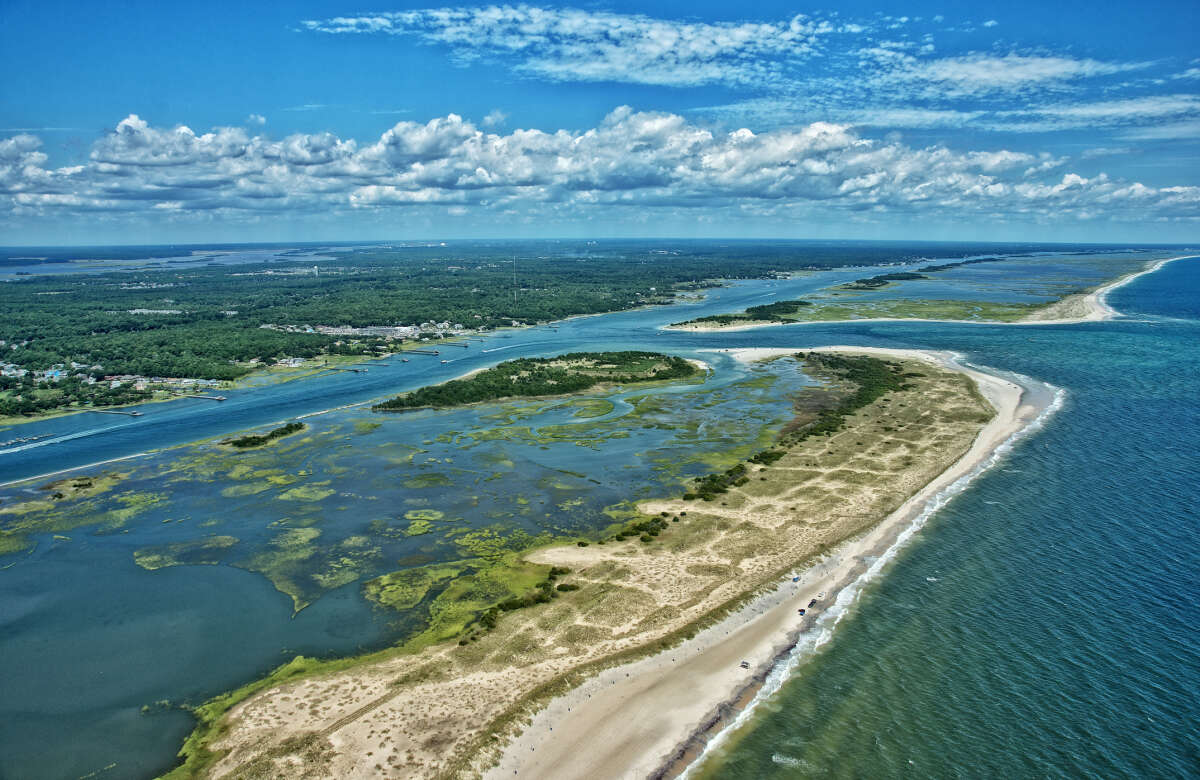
24, 396
948, 266
528, 377
87, 318
768, 312
258, 440
882, 280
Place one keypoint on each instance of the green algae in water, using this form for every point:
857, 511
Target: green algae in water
280, 563
246, 489
88, 505
315, 491
430, 480
418, 528
299, 568
424, 514
405, 589
592, 407
206, 551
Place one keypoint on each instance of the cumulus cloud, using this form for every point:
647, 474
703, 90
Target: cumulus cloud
631, 159
256, 119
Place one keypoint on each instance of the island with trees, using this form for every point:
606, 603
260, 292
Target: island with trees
532, 377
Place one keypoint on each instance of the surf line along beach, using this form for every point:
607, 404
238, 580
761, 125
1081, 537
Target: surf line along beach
1073, 309
657, 716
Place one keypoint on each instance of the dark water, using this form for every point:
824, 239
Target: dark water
1068, 601
1045, 622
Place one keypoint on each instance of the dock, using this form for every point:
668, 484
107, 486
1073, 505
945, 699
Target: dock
350, 370
109, 411
196, 395
420, 352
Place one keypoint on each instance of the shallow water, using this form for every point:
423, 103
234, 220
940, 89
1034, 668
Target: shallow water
89, 637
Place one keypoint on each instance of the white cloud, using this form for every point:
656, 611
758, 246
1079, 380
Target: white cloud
1105, 151
630, 160
982, 74
256, 119
495, 118
878, 71
567, 44
1188, 130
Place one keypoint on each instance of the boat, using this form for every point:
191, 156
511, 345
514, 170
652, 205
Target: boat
812, 603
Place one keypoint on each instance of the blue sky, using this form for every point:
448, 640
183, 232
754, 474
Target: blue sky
140, 122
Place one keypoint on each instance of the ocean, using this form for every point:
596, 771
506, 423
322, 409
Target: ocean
1044, 623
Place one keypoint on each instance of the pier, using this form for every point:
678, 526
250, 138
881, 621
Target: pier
350, 370
109, 411
205, 397
420, 352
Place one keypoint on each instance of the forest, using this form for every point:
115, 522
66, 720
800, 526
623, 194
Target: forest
21, 396
207, 322
768, 312
883, 280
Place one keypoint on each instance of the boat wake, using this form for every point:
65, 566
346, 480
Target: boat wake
58, 439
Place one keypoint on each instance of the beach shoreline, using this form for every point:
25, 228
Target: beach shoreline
656, 716
1071, 310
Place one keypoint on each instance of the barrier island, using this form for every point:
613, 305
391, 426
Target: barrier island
873, 434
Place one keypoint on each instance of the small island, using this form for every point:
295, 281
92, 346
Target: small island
532, 377
259, 440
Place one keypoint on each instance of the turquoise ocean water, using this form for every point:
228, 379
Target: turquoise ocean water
1044, 623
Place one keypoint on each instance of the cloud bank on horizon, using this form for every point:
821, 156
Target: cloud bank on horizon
792, 138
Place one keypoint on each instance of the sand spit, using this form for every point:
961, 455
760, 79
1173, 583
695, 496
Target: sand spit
653, 717
1073, 309
550, 681
1092, 306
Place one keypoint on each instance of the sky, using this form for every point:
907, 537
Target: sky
134, 122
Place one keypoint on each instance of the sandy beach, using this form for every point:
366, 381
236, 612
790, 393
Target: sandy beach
648, 718
629, 671
1092, 306
1073, 309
